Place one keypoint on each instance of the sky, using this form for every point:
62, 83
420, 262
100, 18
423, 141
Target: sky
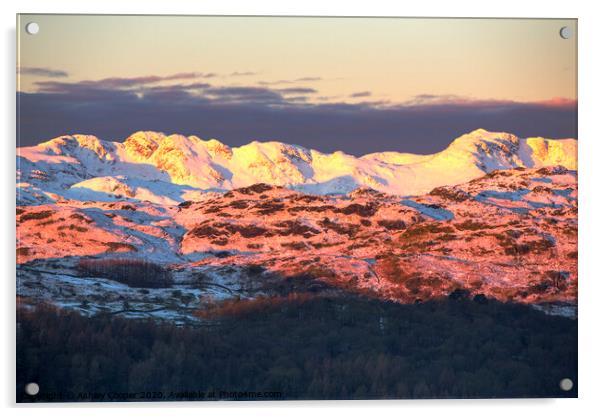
359, 85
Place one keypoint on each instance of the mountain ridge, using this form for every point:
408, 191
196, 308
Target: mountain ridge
169, 169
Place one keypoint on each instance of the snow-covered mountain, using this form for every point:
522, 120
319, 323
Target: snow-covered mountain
150, 166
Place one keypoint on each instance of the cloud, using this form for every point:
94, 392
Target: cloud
187, 87
438, 99
558, 102
42, 72
118, 82
433, 100
290, 81
298, 90
360, 94
242, 74
279, 82
237, 115
247, 94
297, 99
305, 79
113, 108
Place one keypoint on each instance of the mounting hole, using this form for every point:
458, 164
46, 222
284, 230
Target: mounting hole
566, 384
566, 32
32, 389
32, 28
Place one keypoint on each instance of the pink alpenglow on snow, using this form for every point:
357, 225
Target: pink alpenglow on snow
492, 214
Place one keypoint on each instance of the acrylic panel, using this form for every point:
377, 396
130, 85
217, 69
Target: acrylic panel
290, 208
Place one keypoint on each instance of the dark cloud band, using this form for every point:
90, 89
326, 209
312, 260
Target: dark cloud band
357, 129
112, 108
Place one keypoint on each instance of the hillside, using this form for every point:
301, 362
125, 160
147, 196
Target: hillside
510, 235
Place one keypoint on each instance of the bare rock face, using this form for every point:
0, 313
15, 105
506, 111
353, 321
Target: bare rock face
142, 145
217, 149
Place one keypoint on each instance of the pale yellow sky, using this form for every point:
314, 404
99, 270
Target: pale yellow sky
393, 58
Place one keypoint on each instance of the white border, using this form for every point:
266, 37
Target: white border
590, 153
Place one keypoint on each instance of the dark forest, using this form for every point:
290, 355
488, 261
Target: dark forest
301, 348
